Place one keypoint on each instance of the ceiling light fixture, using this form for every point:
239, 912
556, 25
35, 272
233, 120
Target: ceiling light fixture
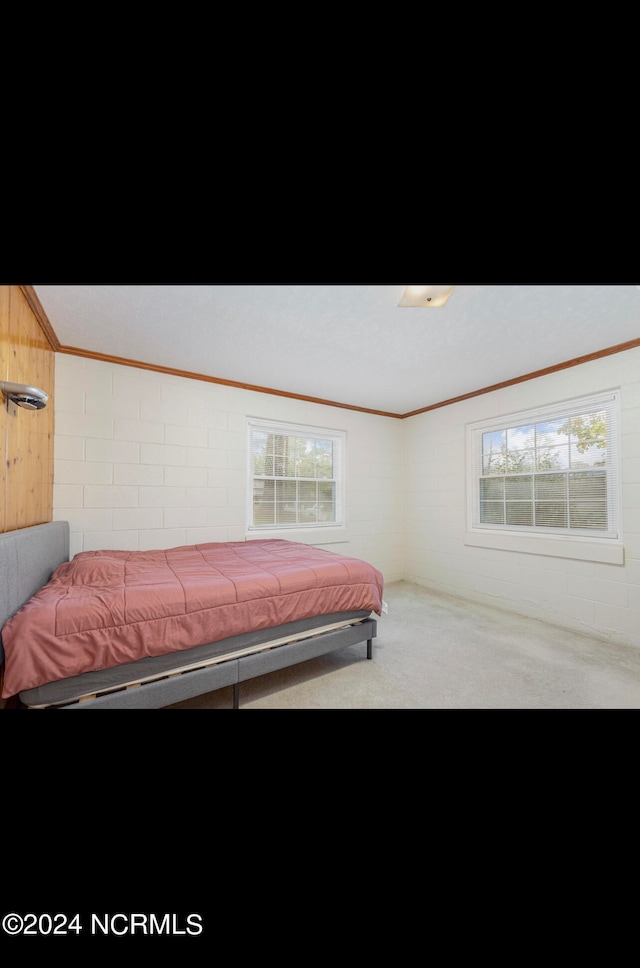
431, 296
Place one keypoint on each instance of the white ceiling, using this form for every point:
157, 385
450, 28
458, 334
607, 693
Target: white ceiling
346, 344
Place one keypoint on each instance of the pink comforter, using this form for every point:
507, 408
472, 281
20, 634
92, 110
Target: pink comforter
105, 608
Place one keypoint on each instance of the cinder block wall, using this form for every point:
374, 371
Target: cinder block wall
151, 460
584, 595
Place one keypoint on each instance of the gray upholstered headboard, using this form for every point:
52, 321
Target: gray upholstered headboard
28, 558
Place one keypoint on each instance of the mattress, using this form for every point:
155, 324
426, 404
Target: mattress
109, 609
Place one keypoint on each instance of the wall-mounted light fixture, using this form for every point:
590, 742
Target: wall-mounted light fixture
31, 398
431, 296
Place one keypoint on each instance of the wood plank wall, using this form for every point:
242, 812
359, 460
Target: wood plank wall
26, 436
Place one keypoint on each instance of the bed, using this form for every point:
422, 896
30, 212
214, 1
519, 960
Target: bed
118, 629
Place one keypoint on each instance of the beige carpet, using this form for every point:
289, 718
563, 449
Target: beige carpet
434, 651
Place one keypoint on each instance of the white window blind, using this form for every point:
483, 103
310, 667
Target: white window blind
295, 476
553, 470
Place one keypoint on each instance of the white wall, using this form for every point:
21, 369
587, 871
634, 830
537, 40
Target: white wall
585, 595
148, 460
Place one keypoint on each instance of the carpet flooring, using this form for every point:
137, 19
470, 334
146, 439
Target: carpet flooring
434, 651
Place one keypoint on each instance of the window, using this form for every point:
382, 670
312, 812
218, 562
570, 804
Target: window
296, 476
551, 471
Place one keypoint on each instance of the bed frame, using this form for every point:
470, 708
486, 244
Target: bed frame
29, 556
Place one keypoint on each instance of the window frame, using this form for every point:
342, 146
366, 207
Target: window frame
586, 544
282, 428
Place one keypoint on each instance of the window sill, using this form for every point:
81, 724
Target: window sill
314, 536
556, 546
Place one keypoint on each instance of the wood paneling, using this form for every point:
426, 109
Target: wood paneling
4, 418
26, 436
